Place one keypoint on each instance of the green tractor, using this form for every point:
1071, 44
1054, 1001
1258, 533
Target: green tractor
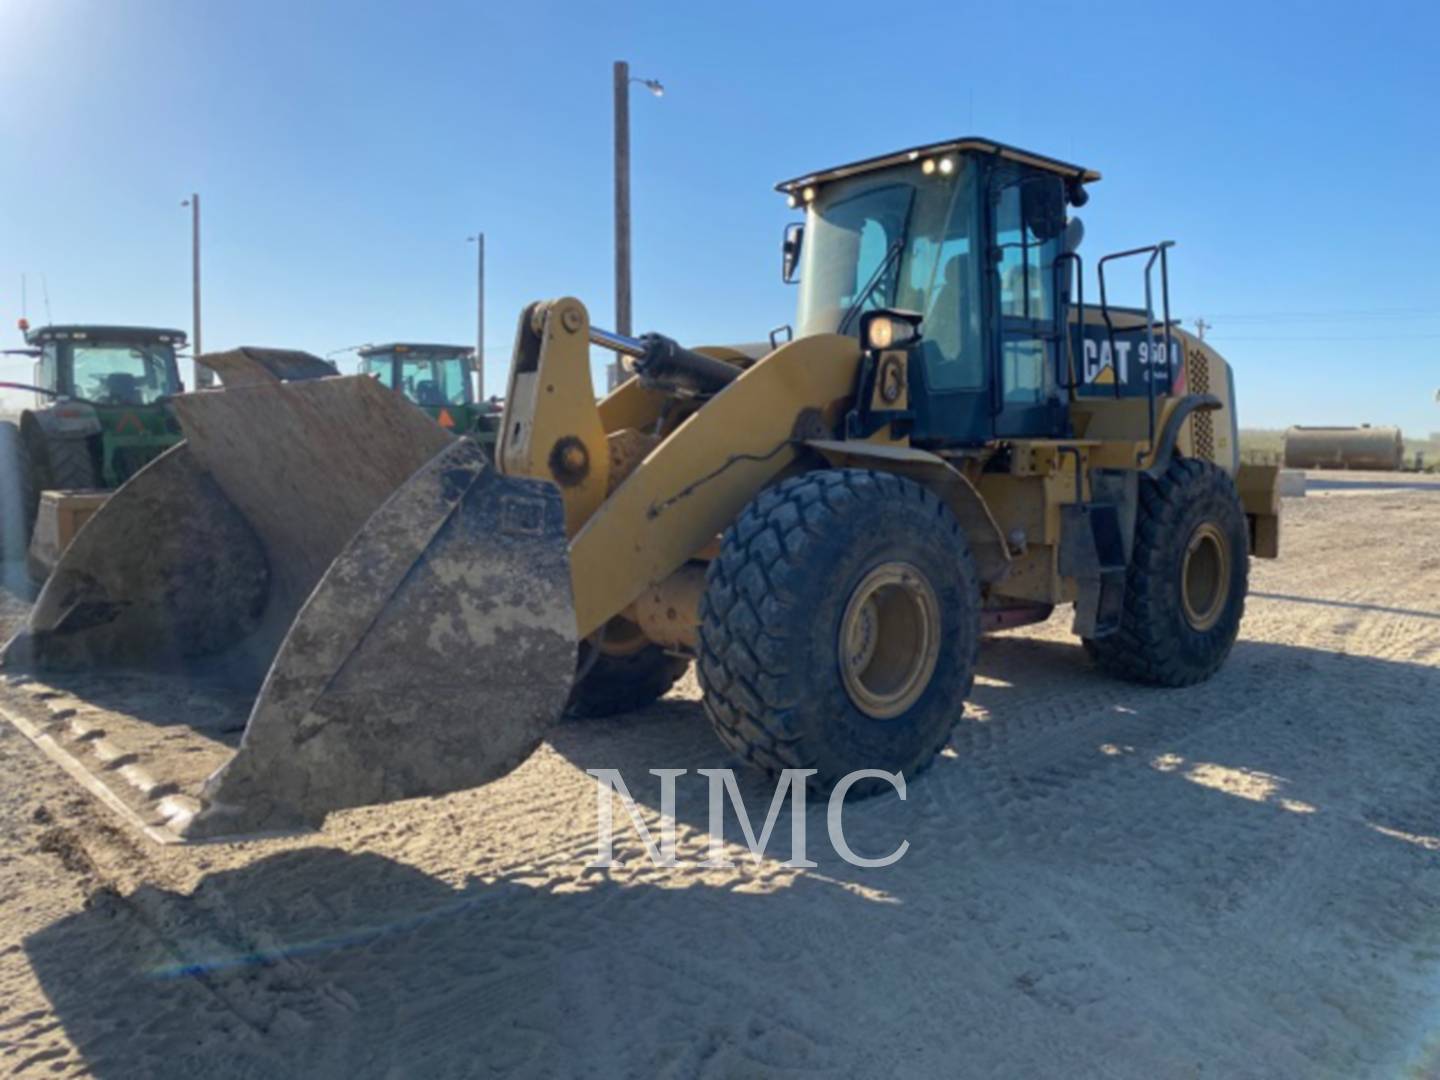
437, 379
100, 414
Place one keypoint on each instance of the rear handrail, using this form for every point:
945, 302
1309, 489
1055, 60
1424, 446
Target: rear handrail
1156, 252
1068, 380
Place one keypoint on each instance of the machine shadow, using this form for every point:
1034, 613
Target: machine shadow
319, 962
1042, 716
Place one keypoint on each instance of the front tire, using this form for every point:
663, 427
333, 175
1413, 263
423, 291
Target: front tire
839, 627
1186, 585
626, 678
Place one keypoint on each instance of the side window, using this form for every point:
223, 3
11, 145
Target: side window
955, 357
384, 370
1026, 262
1025, 287
452, 374
47, 367
943, 284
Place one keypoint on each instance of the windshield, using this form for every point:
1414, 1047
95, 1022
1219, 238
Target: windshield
121, 373
899, 239
427, 380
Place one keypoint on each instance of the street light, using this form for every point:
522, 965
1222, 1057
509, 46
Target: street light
479, 241
622, 202
203, 375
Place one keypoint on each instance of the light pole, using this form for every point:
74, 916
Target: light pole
622, 203
479, 241
203, 375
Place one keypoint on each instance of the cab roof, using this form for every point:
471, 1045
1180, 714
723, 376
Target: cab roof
82, 331
966, 144
415, 347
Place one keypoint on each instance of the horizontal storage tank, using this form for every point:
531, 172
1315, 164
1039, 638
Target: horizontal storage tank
1379, 448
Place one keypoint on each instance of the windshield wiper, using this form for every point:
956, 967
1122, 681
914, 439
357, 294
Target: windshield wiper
880, 271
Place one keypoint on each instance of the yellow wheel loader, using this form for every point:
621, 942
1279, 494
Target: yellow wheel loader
952, 441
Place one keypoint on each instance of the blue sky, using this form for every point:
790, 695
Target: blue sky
343, 151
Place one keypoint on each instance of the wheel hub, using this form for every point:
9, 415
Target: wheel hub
1205, 576
889, 640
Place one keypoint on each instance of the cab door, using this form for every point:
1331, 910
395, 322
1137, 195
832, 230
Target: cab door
1026, 302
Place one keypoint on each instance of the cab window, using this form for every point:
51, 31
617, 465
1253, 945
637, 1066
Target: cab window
941, 282
1025, 288
122, 374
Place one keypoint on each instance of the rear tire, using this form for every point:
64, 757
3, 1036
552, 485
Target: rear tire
839, 627
614, 684
18, 496
1186, 584
71, 464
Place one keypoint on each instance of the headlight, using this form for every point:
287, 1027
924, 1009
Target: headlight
889, 329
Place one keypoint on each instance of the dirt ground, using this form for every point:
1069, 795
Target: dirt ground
1237, 880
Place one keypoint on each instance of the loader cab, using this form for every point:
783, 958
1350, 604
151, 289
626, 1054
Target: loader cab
969, 238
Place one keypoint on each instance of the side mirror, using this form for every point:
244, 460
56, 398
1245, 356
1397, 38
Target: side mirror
790, 252
1042, 203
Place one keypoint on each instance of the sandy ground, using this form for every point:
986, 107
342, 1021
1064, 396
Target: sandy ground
1237, 880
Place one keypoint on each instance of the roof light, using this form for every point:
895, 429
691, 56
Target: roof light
809, 194
947, 166
792, 200
927, 166
914, 154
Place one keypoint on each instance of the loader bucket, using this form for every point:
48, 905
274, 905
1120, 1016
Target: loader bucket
388, 616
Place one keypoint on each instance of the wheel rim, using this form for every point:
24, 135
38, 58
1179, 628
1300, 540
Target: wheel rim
1205, 576
889, 640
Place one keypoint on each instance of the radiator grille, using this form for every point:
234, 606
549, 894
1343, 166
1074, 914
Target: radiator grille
1202, 424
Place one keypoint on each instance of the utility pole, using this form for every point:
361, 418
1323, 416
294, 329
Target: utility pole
622, 205
203, 376
479, 241
622, 214
1200, 327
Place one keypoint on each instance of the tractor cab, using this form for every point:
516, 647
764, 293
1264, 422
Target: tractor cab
434, 377
102, 392
964, 252
101, 413
106, 366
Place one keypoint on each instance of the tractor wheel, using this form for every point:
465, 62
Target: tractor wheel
71, 464
1185, 588
18, 495
625, 676
839, 627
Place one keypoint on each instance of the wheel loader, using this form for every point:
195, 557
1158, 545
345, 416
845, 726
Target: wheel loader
951, 441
